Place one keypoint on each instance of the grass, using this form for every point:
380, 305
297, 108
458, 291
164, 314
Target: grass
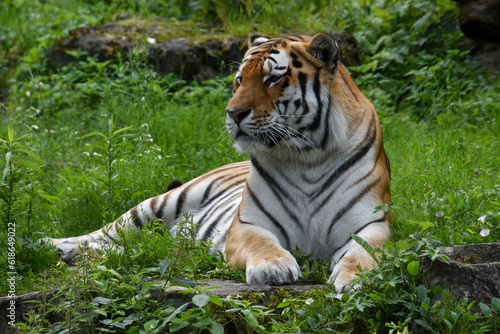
84, 144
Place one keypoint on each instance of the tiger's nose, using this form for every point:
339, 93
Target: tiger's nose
238, 114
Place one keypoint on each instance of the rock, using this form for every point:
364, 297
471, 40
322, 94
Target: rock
480, 21
472, 271
169, 50
220, 288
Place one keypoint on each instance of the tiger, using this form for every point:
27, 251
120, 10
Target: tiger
317, 170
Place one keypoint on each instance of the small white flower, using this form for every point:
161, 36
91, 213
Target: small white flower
37, 112
439, 214
339, 296
482, 219
485, 232
28, 93
35, 127
97, 154
87, 154
151, 40
145, 126
143, 98
309, 301
159, 157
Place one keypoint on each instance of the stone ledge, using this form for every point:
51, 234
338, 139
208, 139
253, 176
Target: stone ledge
215, 287
192, 58
472, 271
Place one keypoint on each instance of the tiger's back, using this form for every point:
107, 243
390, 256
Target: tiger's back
317, 170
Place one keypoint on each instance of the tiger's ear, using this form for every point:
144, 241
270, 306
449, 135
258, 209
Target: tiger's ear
256, 40
326, 49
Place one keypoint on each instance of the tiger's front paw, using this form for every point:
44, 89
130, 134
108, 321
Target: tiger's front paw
273, 270
343, 273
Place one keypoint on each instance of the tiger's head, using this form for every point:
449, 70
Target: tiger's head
285, 94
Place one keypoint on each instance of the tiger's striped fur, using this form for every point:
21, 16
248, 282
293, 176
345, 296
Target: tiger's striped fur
317, 170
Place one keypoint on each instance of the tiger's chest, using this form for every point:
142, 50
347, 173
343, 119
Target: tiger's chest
314, 209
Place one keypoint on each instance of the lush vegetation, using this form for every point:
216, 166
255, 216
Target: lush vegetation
81, 145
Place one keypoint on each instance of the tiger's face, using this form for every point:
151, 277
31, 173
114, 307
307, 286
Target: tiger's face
280, 99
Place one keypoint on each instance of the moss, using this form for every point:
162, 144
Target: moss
468, 260
134, 30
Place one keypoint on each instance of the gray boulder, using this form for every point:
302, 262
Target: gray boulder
472, 271
480, 21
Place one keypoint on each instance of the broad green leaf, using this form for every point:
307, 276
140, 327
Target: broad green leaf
31, 154
7, 158
100, 311
91, 134
177, 325
49, 198
5, 172
283, 304
112, 271
49, 207
30, 164
10, 135
150, 325
216, 300
121, 130
413, 268
201, 300
174, 314
365, 245
103, 300
216, 328
486, 309
495, 305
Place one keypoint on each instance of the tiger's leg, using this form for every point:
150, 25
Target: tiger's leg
347, 259
258, 252
109, 235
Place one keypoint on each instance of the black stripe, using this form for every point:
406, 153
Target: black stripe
274, 51
296, 63
271, 218
351, 203
383, 219
317, 93
326, 123
380, 220
348, 85
278, 191
135, 217
303, 88
216, 206
107, 234
271, 58
159, 213
360, 152
180, 201
182, 196
221, 179
211, 228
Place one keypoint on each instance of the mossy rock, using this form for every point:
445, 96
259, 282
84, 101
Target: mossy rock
194, 51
